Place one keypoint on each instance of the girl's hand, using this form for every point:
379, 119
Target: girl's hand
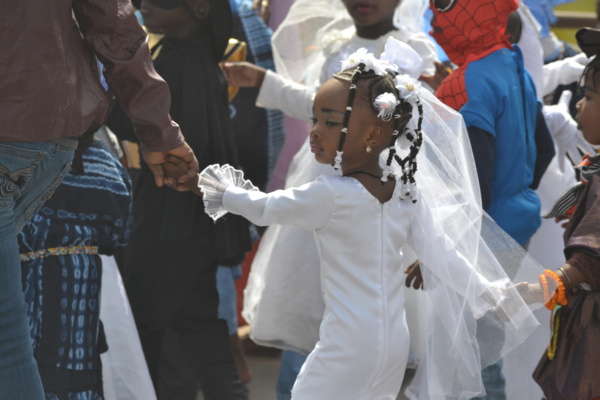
243, 74
414, 277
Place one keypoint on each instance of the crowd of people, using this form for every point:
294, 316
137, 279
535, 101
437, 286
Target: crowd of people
439, 213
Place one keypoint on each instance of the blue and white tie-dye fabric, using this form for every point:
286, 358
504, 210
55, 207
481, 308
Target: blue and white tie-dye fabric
87, 215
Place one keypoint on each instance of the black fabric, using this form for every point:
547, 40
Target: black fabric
174, 299
483, 144
170, 263
199, 105
166, 4
514, 27
544, 147
588, 40
64, 382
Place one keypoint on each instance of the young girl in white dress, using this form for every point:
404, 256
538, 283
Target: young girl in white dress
309, 47
367, 216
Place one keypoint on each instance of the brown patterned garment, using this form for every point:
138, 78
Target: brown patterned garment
573, 373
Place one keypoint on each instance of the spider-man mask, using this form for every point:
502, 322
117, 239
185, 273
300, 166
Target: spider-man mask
470, 29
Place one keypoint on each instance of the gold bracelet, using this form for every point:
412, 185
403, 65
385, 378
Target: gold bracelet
566, 276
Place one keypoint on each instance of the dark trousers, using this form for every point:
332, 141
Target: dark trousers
174, 299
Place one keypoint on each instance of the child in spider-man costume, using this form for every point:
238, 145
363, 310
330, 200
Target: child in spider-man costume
497, 99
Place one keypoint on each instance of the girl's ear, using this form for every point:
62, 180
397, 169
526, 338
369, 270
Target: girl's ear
200, 8
375, 135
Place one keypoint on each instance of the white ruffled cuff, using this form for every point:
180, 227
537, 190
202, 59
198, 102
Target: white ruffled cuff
214, 181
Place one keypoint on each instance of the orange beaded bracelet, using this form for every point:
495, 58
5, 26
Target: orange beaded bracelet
559, 296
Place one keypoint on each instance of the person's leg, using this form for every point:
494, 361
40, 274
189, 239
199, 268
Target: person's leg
205, 338
226, 277
494, 383
289, 367
177, 378
172, 290
29, 173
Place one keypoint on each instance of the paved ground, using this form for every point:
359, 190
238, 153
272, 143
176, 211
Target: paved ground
264, 363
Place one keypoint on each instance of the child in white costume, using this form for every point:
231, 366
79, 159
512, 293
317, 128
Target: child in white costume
364, 219
308, 48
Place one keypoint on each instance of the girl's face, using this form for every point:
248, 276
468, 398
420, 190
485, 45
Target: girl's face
328, 116
588, 111
374, 15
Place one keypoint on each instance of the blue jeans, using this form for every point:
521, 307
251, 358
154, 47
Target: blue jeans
493, 381
29, 174
226, 277
291, 362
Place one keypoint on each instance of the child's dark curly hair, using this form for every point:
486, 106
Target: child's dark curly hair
591, 71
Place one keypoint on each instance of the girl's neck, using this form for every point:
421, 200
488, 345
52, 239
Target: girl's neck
369, 169
374, 31
371, 180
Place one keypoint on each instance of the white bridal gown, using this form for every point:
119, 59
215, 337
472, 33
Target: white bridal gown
364, 342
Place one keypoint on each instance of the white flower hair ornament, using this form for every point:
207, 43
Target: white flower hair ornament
408, 87
359, 56
378, 66
386, 103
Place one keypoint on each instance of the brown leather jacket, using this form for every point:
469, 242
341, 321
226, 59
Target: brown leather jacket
49, 82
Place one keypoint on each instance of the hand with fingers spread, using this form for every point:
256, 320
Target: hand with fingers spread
565, 132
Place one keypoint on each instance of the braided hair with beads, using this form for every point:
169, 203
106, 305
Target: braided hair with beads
378, 84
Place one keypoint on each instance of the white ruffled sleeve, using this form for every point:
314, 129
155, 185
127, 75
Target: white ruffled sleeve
308, 206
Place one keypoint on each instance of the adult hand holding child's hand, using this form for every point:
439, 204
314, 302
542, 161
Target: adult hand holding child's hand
175, 167
188, 166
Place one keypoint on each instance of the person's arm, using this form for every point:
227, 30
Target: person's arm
563, 72
112, 31
276, 92
580, 268
483, 145
544, 144
565, 133
308, 206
